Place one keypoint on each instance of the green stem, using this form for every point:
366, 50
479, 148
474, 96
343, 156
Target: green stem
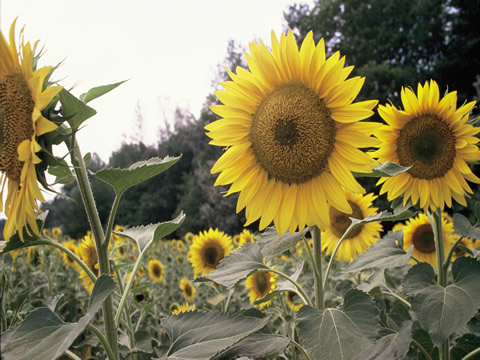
450, 254
103, 340
402, 300
96, 226
71, 355
111, 220
317, 273
300, 291
227, 302
422, 349
332, 257
471, 354
302, 350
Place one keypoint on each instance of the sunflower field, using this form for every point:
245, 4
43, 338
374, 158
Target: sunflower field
325, 274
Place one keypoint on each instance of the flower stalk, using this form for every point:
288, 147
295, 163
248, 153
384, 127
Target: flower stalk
317, 269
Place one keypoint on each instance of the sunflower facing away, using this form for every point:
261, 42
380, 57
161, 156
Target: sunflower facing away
22, 98
155, 270
208, 248
359, 239
260, 284
292, 134
431, 136
188, 290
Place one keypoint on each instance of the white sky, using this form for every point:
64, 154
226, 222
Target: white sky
169, 51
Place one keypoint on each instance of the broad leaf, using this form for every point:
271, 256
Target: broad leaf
201, 336
419, 277
237, 266
74, 110
98, 91
386, 169
122, 179
43, 335
464, 346
385, 253
63, 174
443, 311
339, 333
272, 245
464, 228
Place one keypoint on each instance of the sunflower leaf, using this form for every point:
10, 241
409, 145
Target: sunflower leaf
272, 245
387, 169
444, 310
384, 254
464, 228
237, 266
122, 179
74, 110
419, 277
466, 344
43, 335
201, 336
98, 91
339, 333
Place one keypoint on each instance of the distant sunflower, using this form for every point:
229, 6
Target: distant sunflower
188, 290
88, 253
155, 270
141, 271
292, 134
236, 240
189, 237
359, 239
419, 233
292, 300
24, 93
208, 248
246, 237
70, 245
431, 136
260, 284
180, 246
183, 308
56, 232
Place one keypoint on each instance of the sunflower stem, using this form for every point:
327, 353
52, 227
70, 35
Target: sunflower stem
111, 220
450, 253
299, 347
103, 340
98, 235
317, 273
301, 292
330, 262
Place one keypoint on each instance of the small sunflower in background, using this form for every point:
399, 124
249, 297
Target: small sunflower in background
70, 245
188, 290
236, 240
180, 246
433, 138
292, 134
24, 93
189, 237
46, 233
419, 233
141, 271
259, 285
155, 270
183, 308
88, 253
208, 248
246, 237
359, 239
56, 232
293, 300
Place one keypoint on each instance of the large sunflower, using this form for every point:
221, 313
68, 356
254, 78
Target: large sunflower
292, 134
208, 248
431, 136
359, 239
188, 290
23, 95
259, 285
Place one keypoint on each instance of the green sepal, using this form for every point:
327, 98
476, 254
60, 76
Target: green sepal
98, 91
74, 110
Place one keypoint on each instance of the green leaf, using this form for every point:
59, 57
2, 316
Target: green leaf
201, 336
43, 335
443, 311
237, 266
394, 345
63, 174
272, 245
74, 110
145, 235
387, 169
384, 254
466, 344
422, 337
419, 277
339, 333
464, 228
122, 179
98, 91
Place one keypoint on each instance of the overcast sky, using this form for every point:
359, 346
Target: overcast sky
168, 50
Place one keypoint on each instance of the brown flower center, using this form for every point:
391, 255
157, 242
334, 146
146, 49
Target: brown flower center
188, 290
157, 270
292, 134
340, 221
423, 239
212, 254
262, 282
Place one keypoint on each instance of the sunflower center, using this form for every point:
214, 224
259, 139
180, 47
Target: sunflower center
16, 108
212, 254
423, 239
292, 134
427, 144
157, 270
340, 221
262, 280
188, 290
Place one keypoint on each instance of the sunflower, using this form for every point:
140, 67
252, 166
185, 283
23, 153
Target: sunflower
70, 245
245, 237
292, 134
180, 246
359, 239
46, 233
291, 298
56, 232
189, 237
208, 248
155, 270
23, 95
260, 284
183, 308
236, 240
88, 253
419, 233
188, 290
432, 137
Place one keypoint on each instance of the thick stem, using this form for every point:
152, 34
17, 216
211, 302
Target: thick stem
317, 273
102, 339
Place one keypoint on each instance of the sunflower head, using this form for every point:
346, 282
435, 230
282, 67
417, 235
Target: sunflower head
188, 290
292, 134
189, 237
292, 300
25, 95
259, 285
433, 138
88, 253
56, 232
208, 248
70, 245
180, 309
156, 270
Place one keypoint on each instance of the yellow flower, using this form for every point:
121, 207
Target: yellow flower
189, 237
208, 248
155, 270
290, 297
359, 239
236, 240
23, 95
245, 237
141, 271
260, 284
183, 308
70, 245
180, 245
46, 233
292, 134
431, 136
56, 232
188, 290
418, 232
88, 253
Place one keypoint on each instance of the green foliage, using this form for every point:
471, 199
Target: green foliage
98, 91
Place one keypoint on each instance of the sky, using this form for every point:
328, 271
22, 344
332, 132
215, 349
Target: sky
169, 51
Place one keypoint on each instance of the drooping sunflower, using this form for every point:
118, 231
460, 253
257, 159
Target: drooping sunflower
432, 137
292, 134
259, 285
183, 308
156, 270
188, 290
419, 233
23, 96
208, 248
359, 239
